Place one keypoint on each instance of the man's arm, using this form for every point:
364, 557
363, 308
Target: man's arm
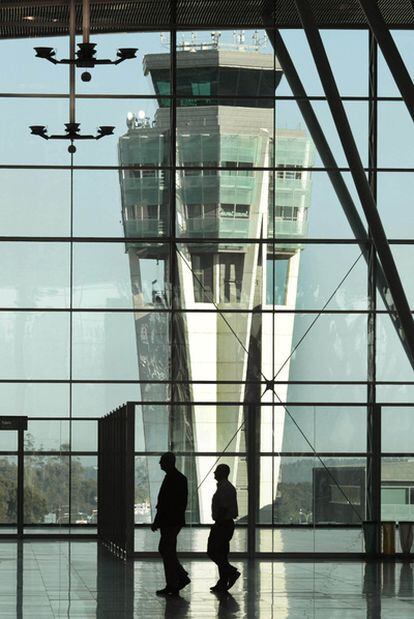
159, 507
218, 507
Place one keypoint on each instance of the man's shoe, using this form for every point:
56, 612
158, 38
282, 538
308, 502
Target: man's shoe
167, 591
219, 587
232, 579
183, 582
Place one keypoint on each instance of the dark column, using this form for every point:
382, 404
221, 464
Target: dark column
373, 412
20, 483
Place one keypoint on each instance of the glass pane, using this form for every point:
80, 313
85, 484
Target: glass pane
19, 146
105, 344
106, 192
339, 540
285, 540
397, 216
289, 115
333, 349
34, 399
114, 276
297, 45
153, 423
84, 506
312, 490
140, 134
35, 202
313, 428
97, 400
327, 393
34, 75
84, 436
397, 489
8, 480
395, 393
46, 489
397, 429
34, 345
327, 218
8, 440
223, 360
208, 428
47, 436
395, 135
392, 361
310, 540
317, 283
286, 490
34, 275
403, 256
217, 278
132, 203
350, 83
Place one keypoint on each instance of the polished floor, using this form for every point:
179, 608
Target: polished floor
79, 579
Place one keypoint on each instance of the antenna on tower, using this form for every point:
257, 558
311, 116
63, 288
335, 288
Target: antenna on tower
239, 37
215, 39
258, 41
163, 42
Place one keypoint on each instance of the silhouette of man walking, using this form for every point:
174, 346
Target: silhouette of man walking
170, 518
224, 510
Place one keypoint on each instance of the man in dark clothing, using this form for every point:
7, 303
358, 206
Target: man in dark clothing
224, 510
170, 518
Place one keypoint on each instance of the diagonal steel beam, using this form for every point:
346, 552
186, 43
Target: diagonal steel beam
338, 183
402, 309
390, 52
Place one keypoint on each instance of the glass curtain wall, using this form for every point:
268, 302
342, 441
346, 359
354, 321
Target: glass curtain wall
199, 263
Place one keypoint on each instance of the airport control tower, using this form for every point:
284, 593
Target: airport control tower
223, 119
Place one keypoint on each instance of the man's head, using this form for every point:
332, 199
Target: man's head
167, 461
222, 472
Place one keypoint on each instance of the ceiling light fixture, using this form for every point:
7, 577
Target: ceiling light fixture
85, 57
72, 133
72, 128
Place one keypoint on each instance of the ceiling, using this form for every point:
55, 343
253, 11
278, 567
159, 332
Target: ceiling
23, 18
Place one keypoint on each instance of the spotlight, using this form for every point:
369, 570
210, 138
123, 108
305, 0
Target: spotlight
86, 55
39, 130
126, 53
72, 129
104, 130
47, 53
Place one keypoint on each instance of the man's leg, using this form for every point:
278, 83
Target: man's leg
182, 574
168, 551
226, 533
231, 572
213, 550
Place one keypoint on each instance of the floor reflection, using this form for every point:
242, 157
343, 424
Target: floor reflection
80, 579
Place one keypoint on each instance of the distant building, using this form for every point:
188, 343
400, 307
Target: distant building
219, 213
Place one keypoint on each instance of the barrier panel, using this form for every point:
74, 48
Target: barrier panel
116, 481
